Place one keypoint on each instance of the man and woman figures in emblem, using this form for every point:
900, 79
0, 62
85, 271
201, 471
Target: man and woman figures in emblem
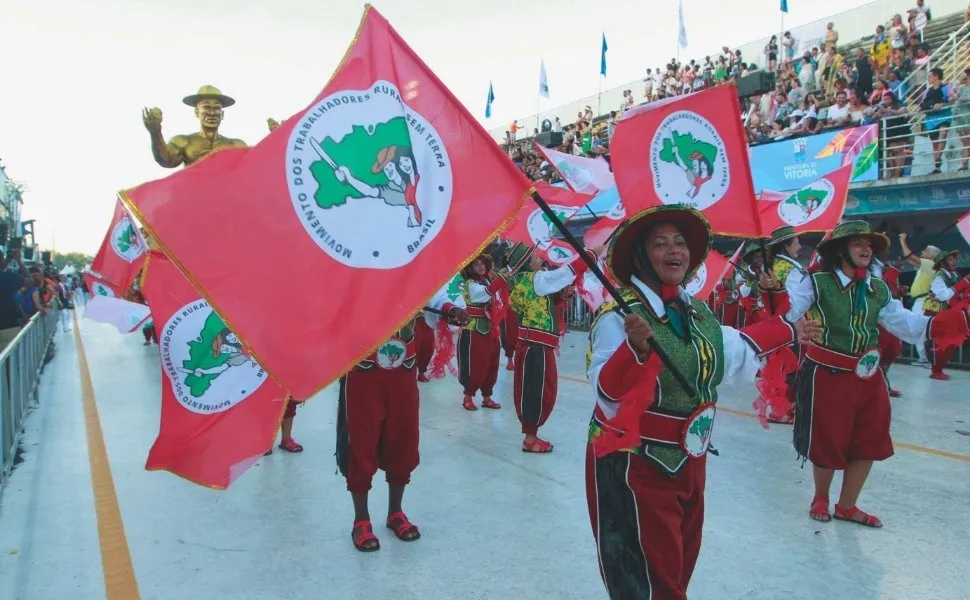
397, 164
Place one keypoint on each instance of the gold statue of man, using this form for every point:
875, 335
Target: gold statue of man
209, 103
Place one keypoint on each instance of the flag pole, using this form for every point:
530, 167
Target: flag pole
611, 289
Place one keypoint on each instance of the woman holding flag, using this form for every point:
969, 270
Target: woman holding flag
649, 437
948, 291
479, 343
843, 411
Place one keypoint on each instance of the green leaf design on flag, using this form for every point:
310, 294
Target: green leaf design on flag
358, 152
681, 149
200, 356
125, 238
807, 199
702, 426
865, 160
392, 351
101, 290
456, 288
562, 215
869, 362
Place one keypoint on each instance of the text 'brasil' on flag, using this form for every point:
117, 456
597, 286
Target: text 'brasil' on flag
220, 409
363, 204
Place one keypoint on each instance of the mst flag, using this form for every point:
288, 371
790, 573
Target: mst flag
583, 175
122, 252
372, 198
100, 287
123, 315
220, 409
688, 150
535, 228
816, 207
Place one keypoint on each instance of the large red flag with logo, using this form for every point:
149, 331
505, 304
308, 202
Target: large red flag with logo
220, 409
100, 287
818, 206
534, 228
688, 150
707, 276
122, 252
360, 207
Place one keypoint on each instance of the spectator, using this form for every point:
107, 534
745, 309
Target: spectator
864, 72
648, 85
895, 131
789, 43
831, 36
897, 33
557, 125
513, 130
771, 53
838, 115
936, 120
10, 284
961, 116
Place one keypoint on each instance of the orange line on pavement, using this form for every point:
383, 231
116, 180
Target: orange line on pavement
751, 415
119, 574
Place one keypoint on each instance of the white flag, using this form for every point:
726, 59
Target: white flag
543, 80
683, 27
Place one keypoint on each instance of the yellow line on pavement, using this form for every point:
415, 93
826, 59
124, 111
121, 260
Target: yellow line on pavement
119, 574
751, 415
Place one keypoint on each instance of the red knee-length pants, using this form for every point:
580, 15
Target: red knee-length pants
535, 385
478, 356
377, 426
510, 333
423, 343
647, 525
890, 348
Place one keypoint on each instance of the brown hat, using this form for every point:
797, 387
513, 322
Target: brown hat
385, 156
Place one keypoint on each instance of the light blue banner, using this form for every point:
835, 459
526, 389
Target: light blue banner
792, 164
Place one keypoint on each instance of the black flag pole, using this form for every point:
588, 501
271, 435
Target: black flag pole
609, 287
935, 237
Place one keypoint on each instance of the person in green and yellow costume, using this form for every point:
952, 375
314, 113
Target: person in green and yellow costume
534, 298
646, 459
843, 413
947, 290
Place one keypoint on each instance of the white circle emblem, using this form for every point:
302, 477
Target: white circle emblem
392, 354
100, 289
370, 178
807, 204
698, 430
696, 284
540, 227
126, 241
689, 161
208, 367
617, 211
868, 364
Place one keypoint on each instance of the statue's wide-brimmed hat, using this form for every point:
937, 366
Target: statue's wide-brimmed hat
209, 92
467, 271
942, 256
850, 229
782, 235
692, 225
519, 255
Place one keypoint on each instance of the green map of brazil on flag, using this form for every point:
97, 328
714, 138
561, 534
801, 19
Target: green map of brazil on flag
318, 243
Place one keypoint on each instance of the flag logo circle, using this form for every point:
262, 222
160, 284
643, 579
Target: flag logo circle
617, 212
688, 161
696, 283
392, 354
125, 240
369, 177
540, 227
206, 364
807, 204
100, 289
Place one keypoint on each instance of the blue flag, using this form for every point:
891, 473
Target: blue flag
784, 6
603, 57
488, 103
543, 80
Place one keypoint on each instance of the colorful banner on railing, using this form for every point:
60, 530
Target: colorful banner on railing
794, 163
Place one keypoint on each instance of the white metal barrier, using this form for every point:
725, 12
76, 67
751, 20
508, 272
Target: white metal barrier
20, 366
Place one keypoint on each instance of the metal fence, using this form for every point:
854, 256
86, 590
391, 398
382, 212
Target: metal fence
20, 366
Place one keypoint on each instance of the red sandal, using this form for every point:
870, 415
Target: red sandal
489, 403
362, 534
855, 515
537, 446
290, 445
469, 403
405, 530
819, 510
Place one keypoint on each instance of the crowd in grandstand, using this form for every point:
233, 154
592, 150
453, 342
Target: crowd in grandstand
884, 80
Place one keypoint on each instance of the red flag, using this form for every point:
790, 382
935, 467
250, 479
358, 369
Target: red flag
586, 175
122, 252
707, 276
220, 409
534, 228
602, 229
688, 150
100, 287
360, 206
818, 206
963, 226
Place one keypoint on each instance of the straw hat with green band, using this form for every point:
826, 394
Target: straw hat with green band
942, 256
782, 234
691, 223
753, 247
849, 229
519, 255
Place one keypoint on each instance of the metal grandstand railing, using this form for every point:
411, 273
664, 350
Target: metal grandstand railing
953, 56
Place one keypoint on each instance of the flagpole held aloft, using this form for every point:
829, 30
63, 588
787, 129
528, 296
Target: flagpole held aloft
611, 289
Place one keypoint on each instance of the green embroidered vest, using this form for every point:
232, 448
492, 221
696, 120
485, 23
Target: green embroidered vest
701, 361
844, 329
479, 324
931, 304
534, 311
783, 267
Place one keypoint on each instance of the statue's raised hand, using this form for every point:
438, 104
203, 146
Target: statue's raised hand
152, 118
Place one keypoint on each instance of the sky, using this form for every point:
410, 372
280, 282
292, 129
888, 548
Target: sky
76, 75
